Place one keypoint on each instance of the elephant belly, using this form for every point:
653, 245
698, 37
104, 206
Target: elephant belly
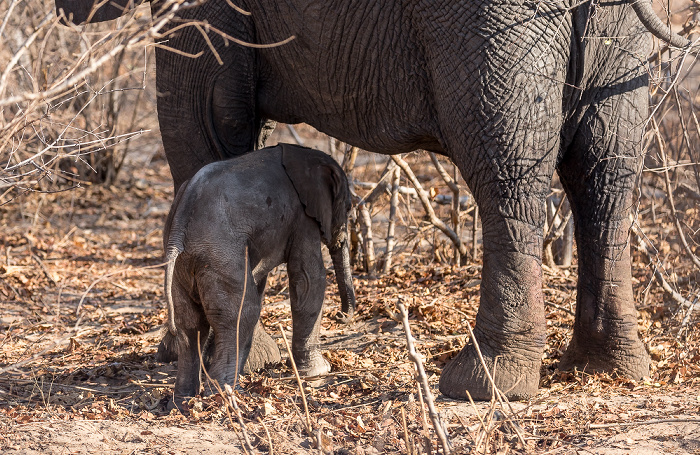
348, 80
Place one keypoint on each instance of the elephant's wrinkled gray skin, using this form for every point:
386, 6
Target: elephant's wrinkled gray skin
229, 226
510, 90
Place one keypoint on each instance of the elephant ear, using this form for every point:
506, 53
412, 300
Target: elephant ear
80, 11
321, 185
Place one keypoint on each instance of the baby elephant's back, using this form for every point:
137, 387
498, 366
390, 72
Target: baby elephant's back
248, 200
252, 192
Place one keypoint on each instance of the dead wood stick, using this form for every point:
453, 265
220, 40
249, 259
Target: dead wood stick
406, 438
230, 399
390, 233
686, 318
425, 201
451, 183
423, 382
294, 133
421, 401
349, 158
455, 203
309, 429
553, 234
234, 404
497, 393
455, 213
377, 189
478, 415
599, 426
365, 220
269, 438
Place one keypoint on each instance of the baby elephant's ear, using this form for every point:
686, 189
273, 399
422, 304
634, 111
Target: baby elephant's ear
320, 183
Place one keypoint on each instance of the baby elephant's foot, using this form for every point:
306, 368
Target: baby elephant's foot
312, 365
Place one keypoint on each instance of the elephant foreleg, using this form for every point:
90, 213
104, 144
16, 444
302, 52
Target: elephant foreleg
307, 285
507, 155
510, 323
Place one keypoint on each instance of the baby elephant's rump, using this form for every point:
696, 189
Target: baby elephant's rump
229, 226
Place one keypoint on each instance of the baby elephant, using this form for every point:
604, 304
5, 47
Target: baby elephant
229, 226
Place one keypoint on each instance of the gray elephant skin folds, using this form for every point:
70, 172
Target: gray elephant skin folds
229, 226
511, 91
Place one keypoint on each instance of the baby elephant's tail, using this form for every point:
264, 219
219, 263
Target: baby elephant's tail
170, 256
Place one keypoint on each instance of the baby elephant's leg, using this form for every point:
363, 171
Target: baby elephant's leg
222, 296
263, 350
307, 286
192, 330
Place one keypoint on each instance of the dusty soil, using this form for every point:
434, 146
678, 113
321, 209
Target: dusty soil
82, 307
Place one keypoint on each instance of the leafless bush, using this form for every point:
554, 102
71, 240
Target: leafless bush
70, 97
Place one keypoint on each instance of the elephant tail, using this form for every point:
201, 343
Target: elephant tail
651, 21
174, 244
170, 257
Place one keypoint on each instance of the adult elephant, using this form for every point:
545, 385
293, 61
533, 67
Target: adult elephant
510, 90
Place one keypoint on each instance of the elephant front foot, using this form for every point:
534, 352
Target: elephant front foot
517, 374
263, 351
312, 364
626, 357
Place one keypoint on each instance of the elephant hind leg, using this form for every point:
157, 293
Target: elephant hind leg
599, 173
222, 297
193, 329
167, 349
263, 349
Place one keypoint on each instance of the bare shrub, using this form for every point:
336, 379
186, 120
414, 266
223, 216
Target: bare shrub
70, 97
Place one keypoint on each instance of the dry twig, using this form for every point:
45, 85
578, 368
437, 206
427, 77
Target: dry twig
423, 382
309, 428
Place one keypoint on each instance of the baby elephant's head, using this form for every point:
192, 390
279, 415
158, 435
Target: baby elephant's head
323, 190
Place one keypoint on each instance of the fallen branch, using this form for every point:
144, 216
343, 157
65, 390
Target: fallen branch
423, 382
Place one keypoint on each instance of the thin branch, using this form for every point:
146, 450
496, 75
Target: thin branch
390, 234
309, 428
423, 382
425, 201
657, 269
669, 197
